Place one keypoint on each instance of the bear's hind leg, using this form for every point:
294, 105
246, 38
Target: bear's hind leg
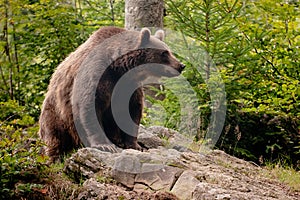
58, 141
58, 144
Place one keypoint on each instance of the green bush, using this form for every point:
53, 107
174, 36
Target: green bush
13, 114
261, 137
20, 159
254, 45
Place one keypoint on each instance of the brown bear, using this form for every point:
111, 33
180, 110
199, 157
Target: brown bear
77, 110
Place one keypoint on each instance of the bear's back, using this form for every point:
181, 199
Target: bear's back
61, 83
71, 64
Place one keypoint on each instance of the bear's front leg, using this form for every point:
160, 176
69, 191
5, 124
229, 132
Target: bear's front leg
130, 142
135, 110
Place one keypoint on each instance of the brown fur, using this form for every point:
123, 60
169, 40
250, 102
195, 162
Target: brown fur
111, 77
56, 121
57, 126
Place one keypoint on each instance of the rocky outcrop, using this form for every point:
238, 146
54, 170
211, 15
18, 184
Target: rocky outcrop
169, 170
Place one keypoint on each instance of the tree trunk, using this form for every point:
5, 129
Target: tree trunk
144, 13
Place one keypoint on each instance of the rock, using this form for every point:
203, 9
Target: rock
148, 140
185, 185
157, 177
173, 139
154, 173
181, 148
206, 191
164, 196
95, 190
92, 189
134, 166
86, 162
125, 169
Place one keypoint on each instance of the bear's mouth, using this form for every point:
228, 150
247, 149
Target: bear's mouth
158, 70
171, 72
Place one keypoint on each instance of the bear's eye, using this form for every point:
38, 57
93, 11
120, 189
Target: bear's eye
165, 53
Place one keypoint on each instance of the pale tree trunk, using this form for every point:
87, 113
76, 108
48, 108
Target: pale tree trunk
144, 13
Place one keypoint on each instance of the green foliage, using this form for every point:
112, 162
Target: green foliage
13, 114
102, 13
20, 161
264, 83
35, 36
255, 48
22, 166
163, 113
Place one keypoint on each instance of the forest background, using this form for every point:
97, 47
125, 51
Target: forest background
254, 44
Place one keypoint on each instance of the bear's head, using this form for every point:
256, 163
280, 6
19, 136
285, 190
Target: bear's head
139, 51
157, 55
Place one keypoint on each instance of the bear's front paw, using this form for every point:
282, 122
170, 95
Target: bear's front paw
135, 146
139, 147
108, 148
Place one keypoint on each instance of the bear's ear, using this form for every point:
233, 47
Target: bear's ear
160, 34
145, 36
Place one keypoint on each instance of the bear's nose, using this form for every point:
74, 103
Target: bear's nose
181, 67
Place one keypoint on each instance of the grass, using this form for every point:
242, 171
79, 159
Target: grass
285, 174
